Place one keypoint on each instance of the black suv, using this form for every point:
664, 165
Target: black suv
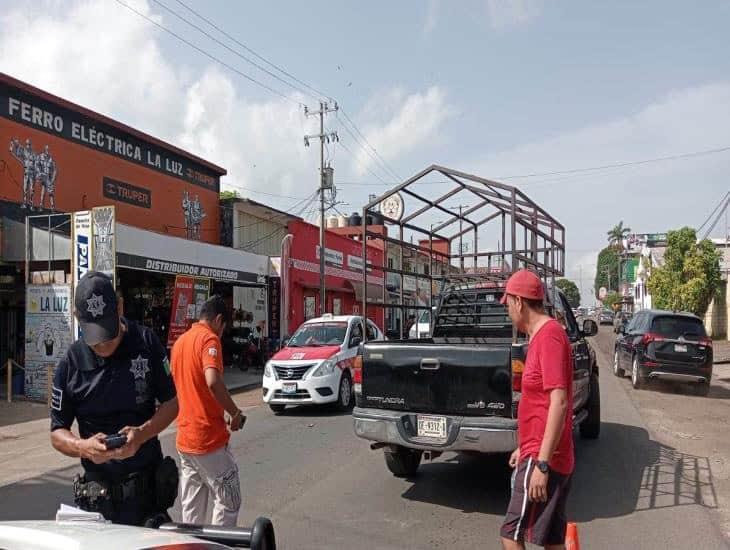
664, 345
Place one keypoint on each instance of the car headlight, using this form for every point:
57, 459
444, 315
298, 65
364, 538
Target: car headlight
326, 368
269, 371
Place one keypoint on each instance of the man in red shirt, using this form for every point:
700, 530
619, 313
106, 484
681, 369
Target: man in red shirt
544, 460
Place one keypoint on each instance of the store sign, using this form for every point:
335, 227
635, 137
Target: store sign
103, 238
355, 262
409, 283
274, 308
332, 257
202, 293
126, 192
35, 112
144, 263
183, 308
81, 253
48, 334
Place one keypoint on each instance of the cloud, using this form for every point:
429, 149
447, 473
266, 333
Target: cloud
432, 12
650, 197
512, 13
405, 123
108, 59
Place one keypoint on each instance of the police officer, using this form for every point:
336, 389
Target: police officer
110, 382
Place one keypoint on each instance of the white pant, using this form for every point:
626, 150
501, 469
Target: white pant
213, 474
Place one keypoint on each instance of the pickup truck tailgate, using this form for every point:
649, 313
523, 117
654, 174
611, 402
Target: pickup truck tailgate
437, 378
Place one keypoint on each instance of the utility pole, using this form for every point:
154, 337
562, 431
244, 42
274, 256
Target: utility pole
325, 182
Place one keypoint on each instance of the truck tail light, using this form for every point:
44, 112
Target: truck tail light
518, 367
357, 373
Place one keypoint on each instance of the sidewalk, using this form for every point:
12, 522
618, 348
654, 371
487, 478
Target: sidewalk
721, 351
25, 450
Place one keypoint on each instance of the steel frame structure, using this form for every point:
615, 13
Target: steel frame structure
530, 237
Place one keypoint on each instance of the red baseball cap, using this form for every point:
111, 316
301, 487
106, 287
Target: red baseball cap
526, 284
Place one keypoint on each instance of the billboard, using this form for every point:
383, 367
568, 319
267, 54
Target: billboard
59, 156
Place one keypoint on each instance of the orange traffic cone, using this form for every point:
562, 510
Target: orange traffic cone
571, 537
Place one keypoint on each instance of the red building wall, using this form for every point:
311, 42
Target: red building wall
343, 274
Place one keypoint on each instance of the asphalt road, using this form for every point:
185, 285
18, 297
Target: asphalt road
324, 488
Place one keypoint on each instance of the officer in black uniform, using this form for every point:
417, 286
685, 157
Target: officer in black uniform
111, 381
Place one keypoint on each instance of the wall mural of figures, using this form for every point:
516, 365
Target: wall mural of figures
39, 169
193, 214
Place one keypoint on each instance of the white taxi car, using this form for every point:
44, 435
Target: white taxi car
315, 366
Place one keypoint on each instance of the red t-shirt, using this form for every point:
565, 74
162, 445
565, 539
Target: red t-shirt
549, 366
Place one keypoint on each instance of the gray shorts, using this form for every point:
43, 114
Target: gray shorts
541, 523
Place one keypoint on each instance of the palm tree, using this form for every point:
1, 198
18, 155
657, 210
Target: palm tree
617, 234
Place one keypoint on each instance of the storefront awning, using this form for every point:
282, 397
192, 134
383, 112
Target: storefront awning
148, 251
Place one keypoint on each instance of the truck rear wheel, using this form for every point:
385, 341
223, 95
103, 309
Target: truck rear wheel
590, 428
402, 462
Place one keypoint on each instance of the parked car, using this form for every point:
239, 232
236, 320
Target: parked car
665, 345
459, 389
605, 317
315, 365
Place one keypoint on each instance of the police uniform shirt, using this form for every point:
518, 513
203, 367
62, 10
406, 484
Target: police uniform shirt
106, 394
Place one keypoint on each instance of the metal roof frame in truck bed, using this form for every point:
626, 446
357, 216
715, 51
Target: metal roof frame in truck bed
525, 234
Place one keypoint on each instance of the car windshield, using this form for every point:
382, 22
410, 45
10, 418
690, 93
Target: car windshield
319, 334
674, 327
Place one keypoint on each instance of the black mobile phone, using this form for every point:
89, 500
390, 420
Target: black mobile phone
115, 441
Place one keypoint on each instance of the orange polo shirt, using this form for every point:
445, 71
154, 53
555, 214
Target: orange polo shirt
201, 425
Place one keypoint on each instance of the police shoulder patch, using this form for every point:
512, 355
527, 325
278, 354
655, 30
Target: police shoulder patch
56, 398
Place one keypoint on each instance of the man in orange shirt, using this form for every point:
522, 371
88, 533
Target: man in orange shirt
208, 468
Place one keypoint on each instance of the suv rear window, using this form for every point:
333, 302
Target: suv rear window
674, 327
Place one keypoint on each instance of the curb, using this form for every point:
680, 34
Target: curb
238, 388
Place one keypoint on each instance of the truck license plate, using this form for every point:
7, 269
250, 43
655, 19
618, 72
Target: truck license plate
680, 348
432, 426
289, 387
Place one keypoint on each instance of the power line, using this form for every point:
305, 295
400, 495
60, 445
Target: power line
719, 204
346, 148
365, 144
377, 157
252, 52
620, 165
209, 55
234, 52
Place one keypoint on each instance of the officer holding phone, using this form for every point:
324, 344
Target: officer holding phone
115, 382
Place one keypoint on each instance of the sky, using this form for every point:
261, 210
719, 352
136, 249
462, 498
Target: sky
497, 88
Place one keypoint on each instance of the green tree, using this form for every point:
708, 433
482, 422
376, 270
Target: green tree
617, 234
225, 195
607, 269
690, 275
570, 290
611, 298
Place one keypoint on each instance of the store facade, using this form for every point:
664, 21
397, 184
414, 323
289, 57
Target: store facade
155, 214
343, 276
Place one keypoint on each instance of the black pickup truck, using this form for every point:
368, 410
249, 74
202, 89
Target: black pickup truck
459, 390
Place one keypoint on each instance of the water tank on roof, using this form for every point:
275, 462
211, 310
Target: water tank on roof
343, 221
332, 222
377, 218
355, 219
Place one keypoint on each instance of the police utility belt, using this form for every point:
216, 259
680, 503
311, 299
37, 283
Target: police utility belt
157, 483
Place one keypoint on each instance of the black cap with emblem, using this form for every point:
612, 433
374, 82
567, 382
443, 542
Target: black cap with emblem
96, 308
